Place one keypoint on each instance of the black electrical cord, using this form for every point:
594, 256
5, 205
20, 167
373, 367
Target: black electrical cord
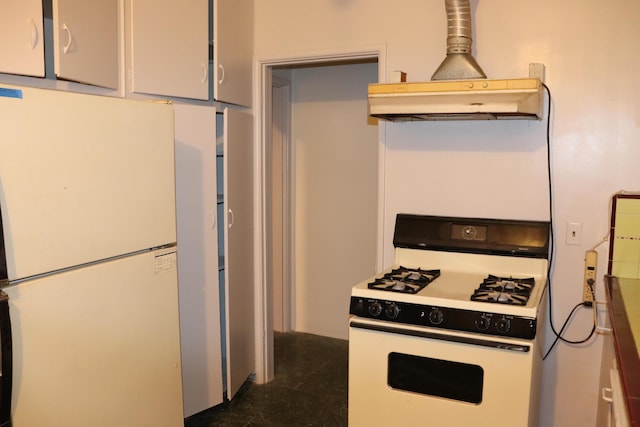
558, 335
564, 325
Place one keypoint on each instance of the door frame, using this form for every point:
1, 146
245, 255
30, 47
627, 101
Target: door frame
262, 101
281, 104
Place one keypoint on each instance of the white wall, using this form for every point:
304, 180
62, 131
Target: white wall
335, 184
587, 48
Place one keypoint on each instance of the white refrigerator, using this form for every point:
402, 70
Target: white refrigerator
87, 194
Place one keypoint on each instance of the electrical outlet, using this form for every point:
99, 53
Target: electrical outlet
589, 285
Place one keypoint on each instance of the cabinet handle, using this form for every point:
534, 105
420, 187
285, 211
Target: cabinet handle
606, 398
221, 74
66, 47
231, 218
596, 318
212, 216
205, 73
34, 33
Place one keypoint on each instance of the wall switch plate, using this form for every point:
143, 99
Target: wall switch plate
589, 284
574, 233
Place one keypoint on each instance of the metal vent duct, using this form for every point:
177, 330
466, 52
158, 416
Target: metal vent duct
459, 63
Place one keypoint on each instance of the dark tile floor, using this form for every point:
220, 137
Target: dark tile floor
309, 388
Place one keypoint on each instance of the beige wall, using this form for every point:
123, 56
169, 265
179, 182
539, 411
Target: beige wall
335, 185
591, 71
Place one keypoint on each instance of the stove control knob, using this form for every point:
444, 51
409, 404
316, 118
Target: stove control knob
436, 316
503, 325
375, 309
392, 311
483, 323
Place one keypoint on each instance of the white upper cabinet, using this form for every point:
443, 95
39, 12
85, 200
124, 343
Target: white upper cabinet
21, 37
233, 51
169, 48
195, 49
86, 41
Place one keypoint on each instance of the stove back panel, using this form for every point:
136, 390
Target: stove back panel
473, 235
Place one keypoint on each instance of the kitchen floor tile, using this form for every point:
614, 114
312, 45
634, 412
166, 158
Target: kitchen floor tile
309, 388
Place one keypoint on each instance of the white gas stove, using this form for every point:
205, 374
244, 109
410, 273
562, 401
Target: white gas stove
454, 327
502, 286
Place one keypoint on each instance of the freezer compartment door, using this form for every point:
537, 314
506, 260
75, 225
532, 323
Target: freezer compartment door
99, 346
82, 178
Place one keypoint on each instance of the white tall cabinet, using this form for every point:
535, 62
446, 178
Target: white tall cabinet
237, 233
197, 257
217, 350
22, 37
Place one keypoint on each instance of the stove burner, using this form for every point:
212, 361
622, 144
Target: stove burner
508, 284
504, 290
404, 280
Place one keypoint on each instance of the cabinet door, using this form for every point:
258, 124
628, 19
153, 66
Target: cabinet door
86, 41
170, 48
233, 51
21, 37
198, 257
607, 363
239, 269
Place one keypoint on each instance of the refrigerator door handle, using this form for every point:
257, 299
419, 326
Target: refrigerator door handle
6, 365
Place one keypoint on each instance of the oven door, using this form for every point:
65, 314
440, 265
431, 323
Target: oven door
413, 376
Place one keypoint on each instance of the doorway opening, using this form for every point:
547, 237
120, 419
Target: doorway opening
321, 184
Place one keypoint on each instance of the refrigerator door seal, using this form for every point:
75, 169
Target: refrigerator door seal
6, 353
6, 356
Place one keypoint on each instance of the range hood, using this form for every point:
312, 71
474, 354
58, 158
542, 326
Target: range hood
459, 89
457, 100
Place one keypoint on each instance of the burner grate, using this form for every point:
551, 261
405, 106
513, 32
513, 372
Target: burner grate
404, 280
504, 290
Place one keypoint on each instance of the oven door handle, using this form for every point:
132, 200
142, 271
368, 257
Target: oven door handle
520, 348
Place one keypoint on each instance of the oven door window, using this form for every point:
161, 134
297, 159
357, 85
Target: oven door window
435, 377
